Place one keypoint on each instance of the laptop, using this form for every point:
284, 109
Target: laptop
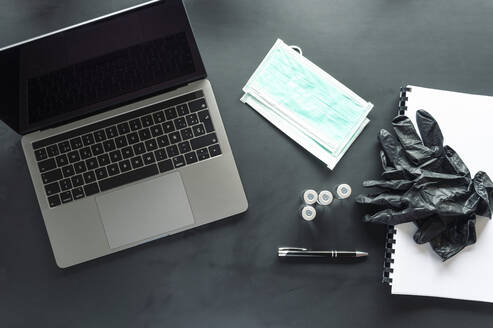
121, 131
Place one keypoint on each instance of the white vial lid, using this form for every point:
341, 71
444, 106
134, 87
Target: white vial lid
343, 191
308, 213
325, 197
310, 196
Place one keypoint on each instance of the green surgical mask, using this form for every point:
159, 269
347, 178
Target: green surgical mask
311, 100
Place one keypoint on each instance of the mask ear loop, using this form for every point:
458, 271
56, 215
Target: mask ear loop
297, 49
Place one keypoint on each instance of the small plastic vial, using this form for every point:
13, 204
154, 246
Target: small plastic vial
325, 198
343, 191
310, 196
308, 213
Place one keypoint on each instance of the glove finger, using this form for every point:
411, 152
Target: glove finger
428, 229
383, 160
456, 162
383, 199
429, 130
415, 150
391, 148
400, 185
392, 217
484, 189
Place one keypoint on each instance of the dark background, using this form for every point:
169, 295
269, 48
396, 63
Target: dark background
227, 274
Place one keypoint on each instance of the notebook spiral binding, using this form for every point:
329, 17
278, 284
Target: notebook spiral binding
402, 100
388, 256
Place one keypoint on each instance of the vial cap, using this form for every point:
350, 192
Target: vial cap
308, 213
310, 196
343, 191
325, 197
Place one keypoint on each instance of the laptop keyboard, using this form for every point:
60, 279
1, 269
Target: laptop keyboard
126, 148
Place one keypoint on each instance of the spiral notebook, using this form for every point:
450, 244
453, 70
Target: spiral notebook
411, 269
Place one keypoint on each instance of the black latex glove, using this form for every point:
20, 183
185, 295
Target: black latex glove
429, 184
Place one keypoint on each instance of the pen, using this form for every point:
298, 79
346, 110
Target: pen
305, 252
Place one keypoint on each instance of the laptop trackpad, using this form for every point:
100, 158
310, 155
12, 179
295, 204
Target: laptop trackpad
145, 210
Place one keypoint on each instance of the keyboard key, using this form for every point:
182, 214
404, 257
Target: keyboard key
91, 189
146, 120
80, 167
158, 117
179, 161
165, 166
54, 200
78, 193
172, 151
174, 137
88, 139
97, 149
137, 162
148, 158
62, 160
123, 128
52, 150
132, 138
128, 177
73, 156
151, 145
109, 145
205, 118
139, 148
197, 105
68, 171
170, 113
124, 166
191, 157
47, 165
85, 153
184, 147
89, 177
180, 123
64, 147
144, 134
163, 141
127, 152
135, 124
101, 173
202, 154
111, 132
103, 160
168, 127
77, 180
186, 134
99, 136
198, 130
65, 184
156, 130
52, 188
160, 154
192, 119
113, 169
51, 176
182, 109
214, 150
66, 197
121, 141
203, 141
92, 163
76, 143
115, 156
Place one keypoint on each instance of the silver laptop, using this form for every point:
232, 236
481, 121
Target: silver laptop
121, 132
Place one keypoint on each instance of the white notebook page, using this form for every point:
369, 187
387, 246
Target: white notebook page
466, 122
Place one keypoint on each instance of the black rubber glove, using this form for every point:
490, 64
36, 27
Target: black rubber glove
429, 184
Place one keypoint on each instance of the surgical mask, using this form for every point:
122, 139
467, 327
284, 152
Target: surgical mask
307, 99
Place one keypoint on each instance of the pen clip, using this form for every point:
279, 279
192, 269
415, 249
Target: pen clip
287, 249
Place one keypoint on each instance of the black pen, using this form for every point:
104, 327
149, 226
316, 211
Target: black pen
305, 252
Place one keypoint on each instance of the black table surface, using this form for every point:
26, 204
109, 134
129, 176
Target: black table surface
227, 274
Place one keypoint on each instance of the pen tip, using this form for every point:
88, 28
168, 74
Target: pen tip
361, 254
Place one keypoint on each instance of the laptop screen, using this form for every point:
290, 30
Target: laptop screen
98, 65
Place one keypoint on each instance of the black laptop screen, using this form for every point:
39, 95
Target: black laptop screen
98, 65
